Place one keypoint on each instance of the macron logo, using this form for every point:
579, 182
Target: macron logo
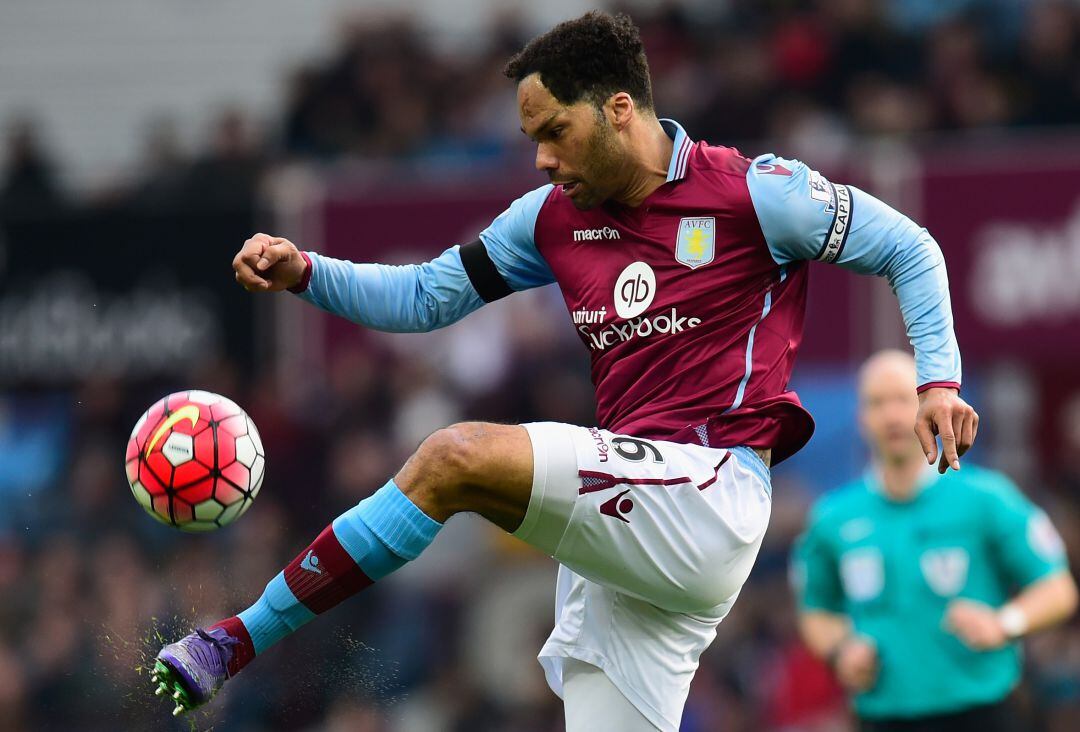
594, 234
311, 563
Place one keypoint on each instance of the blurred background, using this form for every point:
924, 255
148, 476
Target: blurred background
144, 140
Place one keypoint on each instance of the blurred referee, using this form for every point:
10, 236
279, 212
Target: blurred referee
915, 586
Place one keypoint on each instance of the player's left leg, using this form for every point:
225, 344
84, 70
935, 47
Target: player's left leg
593, 703
655, 540
475, 467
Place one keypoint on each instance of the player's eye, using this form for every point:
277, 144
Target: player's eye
556, 133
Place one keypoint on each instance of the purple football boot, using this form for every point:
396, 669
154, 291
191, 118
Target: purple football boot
193, 669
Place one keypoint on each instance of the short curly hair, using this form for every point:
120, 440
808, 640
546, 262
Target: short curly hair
591, 57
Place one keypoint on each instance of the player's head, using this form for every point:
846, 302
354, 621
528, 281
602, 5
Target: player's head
583, 89
888, 404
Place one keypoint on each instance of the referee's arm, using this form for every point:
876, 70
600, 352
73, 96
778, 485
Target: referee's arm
1030, 553
1044, 603
824, 627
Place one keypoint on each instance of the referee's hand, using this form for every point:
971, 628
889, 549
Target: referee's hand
856, 664
268, 264
943, 413
976, 624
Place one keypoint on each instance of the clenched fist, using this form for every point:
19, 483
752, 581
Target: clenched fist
268, 264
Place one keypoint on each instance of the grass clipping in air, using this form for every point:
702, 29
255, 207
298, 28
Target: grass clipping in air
361, 673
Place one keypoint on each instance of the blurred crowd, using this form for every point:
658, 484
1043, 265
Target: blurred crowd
449, 642
807, 77
791, 71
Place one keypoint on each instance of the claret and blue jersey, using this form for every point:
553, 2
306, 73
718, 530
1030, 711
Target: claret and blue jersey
691, 305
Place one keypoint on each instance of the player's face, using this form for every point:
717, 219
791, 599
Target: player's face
888, 404
575, 144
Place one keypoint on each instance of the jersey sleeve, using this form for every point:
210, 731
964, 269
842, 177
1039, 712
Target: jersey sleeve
510, 243
423, 297
806, 217
407, 298
1020, 534
815, 576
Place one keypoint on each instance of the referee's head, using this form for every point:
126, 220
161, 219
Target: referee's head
888, 404
583, 92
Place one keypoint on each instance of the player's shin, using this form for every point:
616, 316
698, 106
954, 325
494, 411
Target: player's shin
364, 544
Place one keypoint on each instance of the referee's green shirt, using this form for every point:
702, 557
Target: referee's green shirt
893, 567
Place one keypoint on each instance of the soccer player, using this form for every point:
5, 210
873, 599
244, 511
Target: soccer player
684, 268
915, 587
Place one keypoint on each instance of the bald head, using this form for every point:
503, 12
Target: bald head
891, 366
888, 404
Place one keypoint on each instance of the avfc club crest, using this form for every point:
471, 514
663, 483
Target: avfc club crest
696, 244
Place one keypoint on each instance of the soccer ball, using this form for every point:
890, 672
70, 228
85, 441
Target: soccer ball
195, 461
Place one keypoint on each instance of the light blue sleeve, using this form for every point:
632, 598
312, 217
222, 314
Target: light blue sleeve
408, 298
422, 297
806, 217
512, 246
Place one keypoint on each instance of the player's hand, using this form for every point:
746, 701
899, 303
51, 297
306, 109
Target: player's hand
976, 624
268, 264
856, 664
942, 412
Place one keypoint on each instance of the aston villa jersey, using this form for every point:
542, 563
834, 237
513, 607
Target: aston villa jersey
691, 304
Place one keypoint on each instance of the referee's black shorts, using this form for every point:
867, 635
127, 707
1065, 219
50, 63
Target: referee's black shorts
1002, 716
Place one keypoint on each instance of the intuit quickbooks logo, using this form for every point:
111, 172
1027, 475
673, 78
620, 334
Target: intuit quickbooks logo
667, 322
584, 315
635, 290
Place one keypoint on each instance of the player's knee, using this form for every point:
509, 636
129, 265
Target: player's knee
442, 456
450, 460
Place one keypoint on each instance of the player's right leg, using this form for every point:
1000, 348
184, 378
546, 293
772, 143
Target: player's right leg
476, 467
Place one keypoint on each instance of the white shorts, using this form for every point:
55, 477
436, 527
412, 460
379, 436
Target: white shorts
655, 540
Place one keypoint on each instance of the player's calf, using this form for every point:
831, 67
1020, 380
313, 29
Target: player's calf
369, 541
468, 467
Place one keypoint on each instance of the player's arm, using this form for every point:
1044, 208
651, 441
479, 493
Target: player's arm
1028, 551
824, 627
406, 298
806, 217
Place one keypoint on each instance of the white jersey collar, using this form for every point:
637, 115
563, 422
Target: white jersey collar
680, 152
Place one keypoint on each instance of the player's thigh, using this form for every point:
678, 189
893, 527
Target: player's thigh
476, 467
676, 525
592, 703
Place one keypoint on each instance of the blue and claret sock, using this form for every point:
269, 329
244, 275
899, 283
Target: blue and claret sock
364, 544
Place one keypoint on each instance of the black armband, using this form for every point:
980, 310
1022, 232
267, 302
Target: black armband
483, 275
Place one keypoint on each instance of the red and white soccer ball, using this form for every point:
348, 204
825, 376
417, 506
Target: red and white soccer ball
195, 461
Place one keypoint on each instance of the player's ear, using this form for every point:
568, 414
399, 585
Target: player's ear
620, 109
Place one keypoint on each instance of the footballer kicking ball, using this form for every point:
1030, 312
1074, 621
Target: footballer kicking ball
195, 461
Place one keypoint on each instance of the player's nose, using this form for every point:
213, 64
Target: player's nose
545, 160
